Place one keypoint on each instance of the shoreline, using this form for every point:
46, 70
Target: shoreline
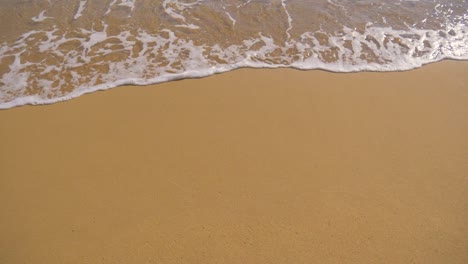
248, 166
32, 101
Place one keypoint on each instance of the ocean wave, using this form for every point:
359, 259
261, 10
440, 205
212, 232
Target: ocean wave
56, 61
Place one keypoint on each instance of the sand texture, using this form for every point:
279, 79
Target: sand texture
251, 166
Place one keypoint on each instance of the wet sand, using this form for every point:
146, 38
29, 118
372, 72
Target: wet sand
251, 166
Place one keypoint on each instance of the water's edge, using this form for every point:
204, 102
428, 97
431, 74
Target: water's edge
56, 50
37, 101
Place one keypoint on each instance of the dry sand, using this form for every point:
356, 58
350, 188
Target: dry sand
252, 166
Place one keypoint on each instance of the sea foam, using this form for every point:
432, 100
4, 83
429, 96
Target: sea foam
51, 64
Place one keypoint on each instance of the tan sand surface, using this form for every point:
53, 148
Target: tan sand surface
251, 166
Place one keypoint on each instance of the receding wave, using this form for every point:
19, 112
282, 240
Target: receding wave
64, 49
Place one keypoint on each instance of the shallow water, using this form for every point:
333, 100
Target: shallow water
54, 50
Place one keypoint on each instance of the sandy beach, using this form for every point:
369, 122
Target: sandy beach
250, 166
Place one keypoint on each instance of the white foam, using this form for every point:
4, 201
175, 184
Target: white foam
41, 17
175, 9
244, 4
283, 3
109, 7
230, 17
79, 11
167, 5
191, 26
128, 3
197, 65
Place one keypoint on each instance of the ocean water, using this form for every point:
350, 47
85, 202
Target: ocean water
55, 50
